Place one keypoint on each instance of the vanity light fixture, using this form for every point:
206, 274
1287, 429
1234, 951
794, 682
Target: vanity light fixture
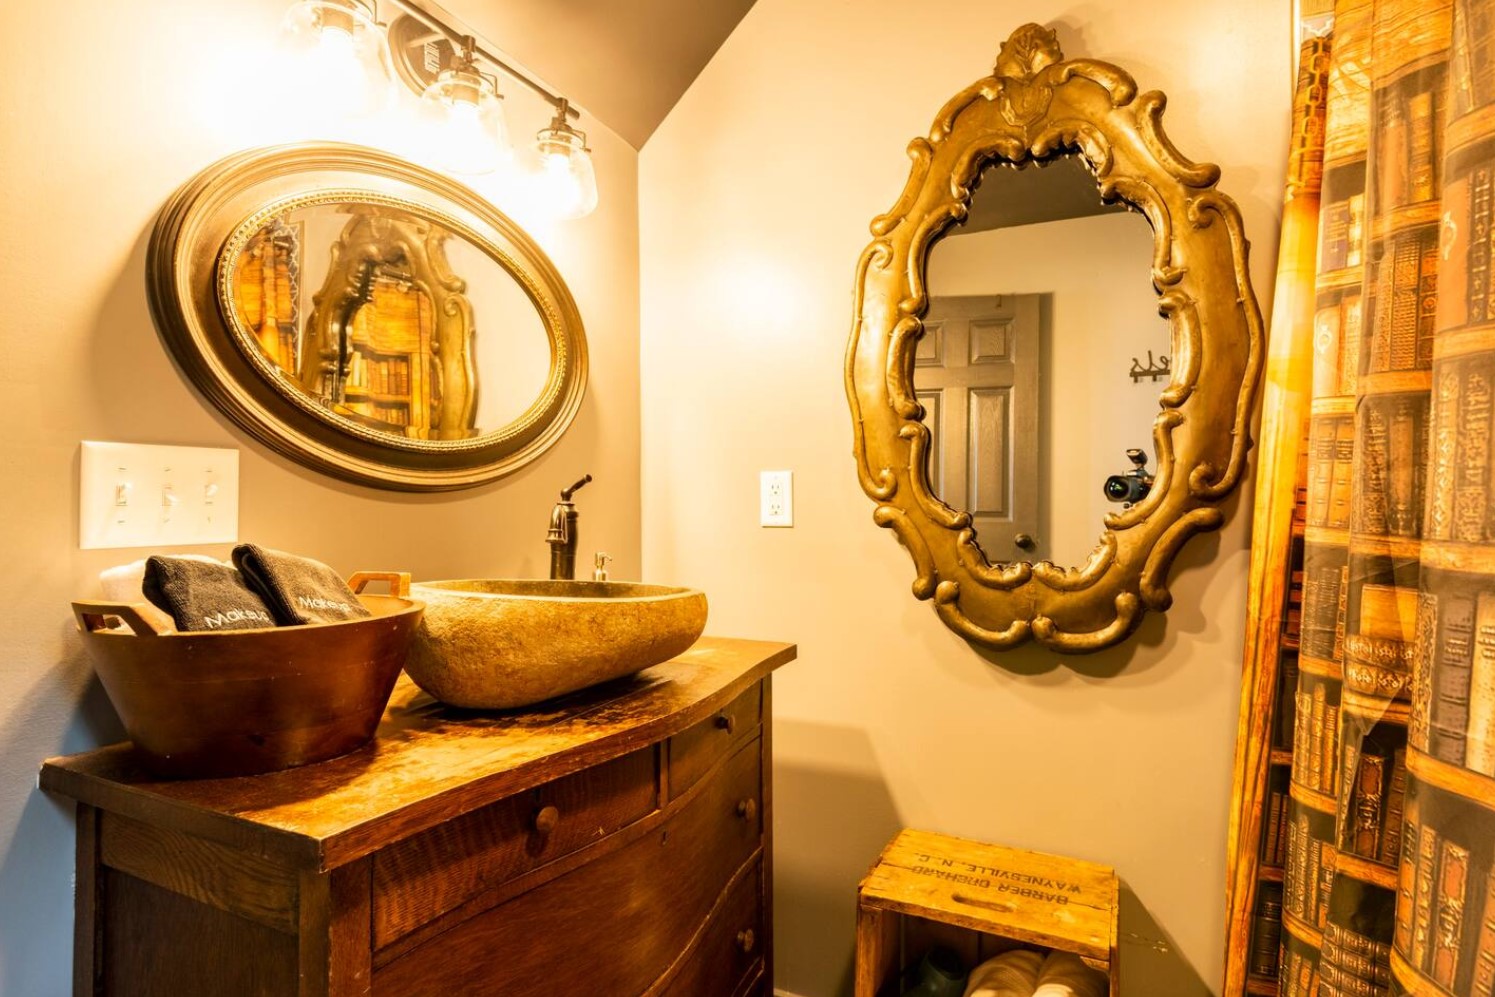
462, 102
342, 50
567, 178
466, 112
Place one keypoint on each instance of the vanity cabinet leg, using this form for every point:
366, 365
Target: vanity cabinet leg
336, 932
87, 906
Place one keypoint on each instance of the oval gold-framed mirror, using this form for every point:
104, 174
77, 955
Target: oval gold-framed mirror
367, 317
1035, 109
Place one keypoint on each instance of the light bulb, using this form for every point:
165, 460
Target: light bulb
558, 187
567, 180
465, 120
339, 56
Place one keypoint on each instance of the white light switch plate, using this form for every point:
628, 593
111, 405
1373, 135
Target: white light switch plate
140, 495
776, 498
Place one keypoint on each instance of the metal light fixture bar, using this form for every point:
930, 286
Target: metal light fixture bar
437, 19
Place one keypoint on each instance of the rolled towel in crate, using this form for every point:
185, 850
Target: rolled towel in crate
297, 589
1032, 974
1064, 974
203, 595
1011, 974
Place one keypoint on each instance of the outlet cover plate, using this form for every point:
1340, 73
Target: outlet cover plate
776, 498
142, 495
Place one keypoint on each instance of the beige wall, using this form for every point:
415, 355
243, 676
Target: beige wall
106, 108
755, 196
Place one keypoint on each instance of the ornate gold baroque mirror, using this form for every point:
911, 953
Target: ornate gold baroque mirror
367, 317
1014, 381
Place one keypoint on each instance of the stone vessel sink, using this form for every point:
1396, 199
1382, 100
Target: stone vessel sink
500, 644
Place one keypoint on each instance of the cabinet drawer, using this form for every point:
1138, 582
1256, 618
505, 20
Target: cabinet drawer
614, 926
694, 750
425, 876
732, 947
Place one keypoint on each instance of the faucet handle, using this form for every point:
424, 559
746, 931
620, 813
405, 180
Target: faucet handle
599, 566
566, 493
559, 532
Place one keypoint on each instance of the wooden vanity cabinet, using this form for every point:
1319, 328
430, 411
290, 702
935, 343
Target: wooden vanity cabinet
615, 842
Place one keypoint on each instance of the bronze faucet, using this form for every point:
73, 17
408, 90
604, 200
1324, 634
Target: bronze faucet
562, 534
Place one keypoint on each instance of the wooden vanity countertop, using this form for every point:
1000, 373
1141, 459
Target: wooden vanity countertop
428, 762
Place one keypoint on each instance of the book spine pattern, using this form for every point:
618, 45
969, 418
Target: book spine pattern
1484, 958
1449, 709
1406, 888
1266, 931
1453, 879
1389, 848
1389, 833
1479, 754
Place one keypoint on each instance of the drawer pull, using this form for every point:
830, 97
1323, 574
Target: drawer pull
746, 940
726, 722
546, 819
747, 809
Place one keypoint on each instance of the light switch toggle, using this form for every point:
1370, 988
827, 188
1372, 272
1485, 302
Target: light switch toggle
140, 495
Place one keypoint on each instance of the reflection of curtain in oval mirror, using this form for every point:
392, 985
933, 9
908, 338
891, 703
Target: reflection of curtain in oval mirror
266, 292
511, 348
1044, 232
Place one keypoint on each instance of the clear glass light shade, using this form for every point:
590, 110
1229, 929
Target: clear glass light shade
340, 56
567, 180
465, 119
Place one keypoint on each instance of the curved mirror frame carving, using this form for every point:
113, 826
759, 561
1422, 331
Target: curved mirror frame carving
1035, 105
191, 263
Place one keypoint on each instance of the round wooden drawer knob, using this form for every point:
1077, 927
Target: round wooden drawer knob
746, 940
747, 809
726, 722
546, 819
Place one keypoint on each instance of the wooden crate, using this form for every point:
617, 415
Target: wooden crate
979, 900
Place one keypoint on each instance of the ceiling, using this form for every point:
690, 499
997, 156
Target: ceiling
626, 63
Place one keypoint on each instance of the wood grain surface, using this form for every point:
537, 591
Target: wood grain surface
427, 764
615, 927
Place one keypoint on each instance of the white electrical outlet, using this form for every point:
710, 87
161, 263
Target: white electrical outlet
137, 495
776, 498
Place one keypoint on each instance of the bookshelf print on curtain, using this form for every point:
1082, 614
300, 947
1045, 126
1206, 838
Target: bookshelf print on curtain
1389, 836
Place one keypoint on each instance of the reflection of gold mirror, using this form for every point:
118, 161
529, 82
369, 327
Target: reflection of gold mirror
367, 317
982, 351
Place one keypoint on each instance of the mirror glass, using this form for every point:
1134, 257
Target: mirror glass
386, 318
1041, 362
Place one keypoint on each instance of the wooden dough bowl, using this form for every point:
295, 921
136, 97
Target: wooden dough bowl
239, 702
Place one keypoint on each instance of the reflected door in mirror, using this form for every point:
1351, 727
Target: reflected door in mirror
1031, 467
977, 378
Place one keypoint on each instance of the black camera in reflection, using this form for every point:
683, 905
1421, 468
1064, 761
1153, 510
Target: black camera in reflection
1130, 487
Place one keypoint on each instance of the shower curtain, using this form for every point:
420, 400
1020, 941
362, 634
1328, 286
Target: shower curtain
1389, 837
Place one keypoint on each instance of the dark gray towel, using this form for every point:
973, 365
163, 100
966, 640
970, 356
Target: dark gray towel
203, 595
297, 589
